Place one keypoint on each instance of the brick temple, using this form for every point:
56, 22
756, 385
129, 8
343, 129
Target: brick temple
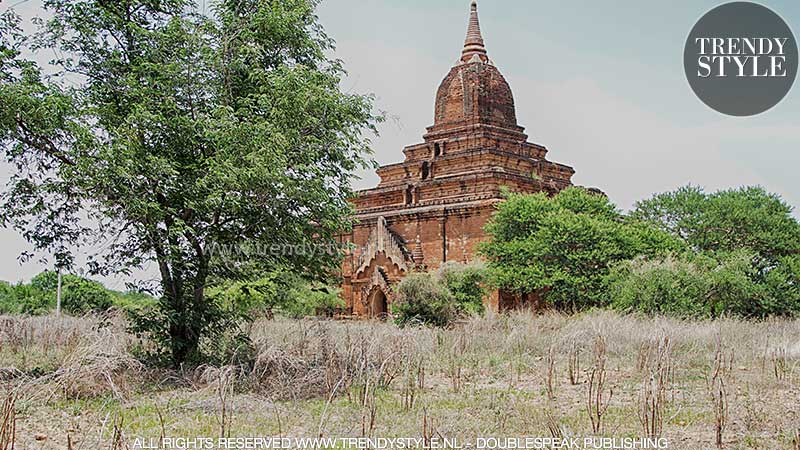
432, 207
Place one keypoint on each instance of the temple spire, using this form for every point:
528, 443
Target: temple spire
473, 44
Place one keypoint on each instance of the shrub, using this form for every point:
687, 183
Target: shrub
662, 286
700, 285
78, 295
25, 299
81, 296
439, 298
422, 298
749, 240
132, 301
467, 285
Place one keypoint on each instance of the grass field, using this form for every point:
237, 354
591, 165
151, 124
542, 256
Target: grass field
595, 374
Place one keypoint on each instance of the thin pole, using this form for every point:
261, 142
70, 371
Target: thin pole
58, 295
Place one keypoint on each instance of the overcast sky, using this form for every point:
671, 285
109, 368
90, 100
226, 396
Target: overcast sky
600, 84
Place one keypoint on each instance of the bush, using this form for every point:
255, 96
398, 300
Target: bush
311, 299
422, 298
132, 301
440, 298
25, 299
747, 241
701, 286
78, 295
467, 285
668, 286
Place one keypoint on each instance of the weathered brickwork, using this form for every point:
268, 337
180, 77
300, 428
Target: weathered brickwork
432, 207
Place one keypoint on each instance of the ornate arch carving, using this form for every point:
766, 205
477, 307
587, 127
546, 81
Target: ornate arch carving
382, 239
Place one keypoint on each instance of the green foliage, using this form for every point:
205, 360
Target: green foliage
746, 247
665, 286
701, 286
132, 302
279, 292
726, 221
565, 246
467, 284
442, 297
78, 296
25, 299
174, 131
422, 298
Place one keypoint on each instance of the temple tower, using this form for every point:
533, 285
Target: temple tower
432, 207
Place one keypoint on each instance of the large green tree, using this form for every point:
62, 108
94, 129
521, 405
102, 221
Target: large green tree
565, 246
725, 221
165, 132
746, 249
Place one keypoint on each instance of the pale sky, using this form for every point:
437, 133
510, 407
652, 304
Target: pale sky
600, 84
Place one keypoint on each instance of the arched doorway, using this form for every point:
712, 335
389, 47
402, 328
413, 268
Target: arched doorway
378, 305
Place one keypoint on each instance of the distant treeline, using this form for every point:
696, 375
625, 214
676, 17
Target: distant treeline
78, 296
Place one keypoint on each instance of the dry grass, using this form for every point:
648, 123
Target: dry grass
699, 384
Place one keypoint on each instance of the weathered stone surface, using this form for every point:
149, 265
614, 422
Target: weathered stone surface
432, 207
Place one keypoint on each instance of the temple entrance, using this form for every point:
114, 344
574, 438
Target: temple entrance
378, 306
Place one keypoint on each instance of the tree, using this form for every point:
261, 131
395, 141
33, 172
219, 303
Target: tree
167, 132
278, 291
565, 246
745, 218
698, 285
750, 238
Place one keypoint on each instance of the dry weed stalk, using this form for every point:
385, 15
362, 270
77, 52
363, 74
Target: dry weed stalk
118, 440
456, 365
796, 440
652, 396
224, 388
550, 372
724, 359
369, 415
556, 432
414, 381
643, 356
718, 394
222, 381
429, 430
597, 401
574, 363
753, 411
8, 422
780, 367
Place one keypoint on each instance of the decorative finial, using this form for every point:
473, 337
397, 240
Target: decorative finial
473, 44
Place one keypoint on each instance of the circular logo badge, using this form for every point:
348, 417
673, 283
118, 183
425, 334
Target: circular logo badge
741, 59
